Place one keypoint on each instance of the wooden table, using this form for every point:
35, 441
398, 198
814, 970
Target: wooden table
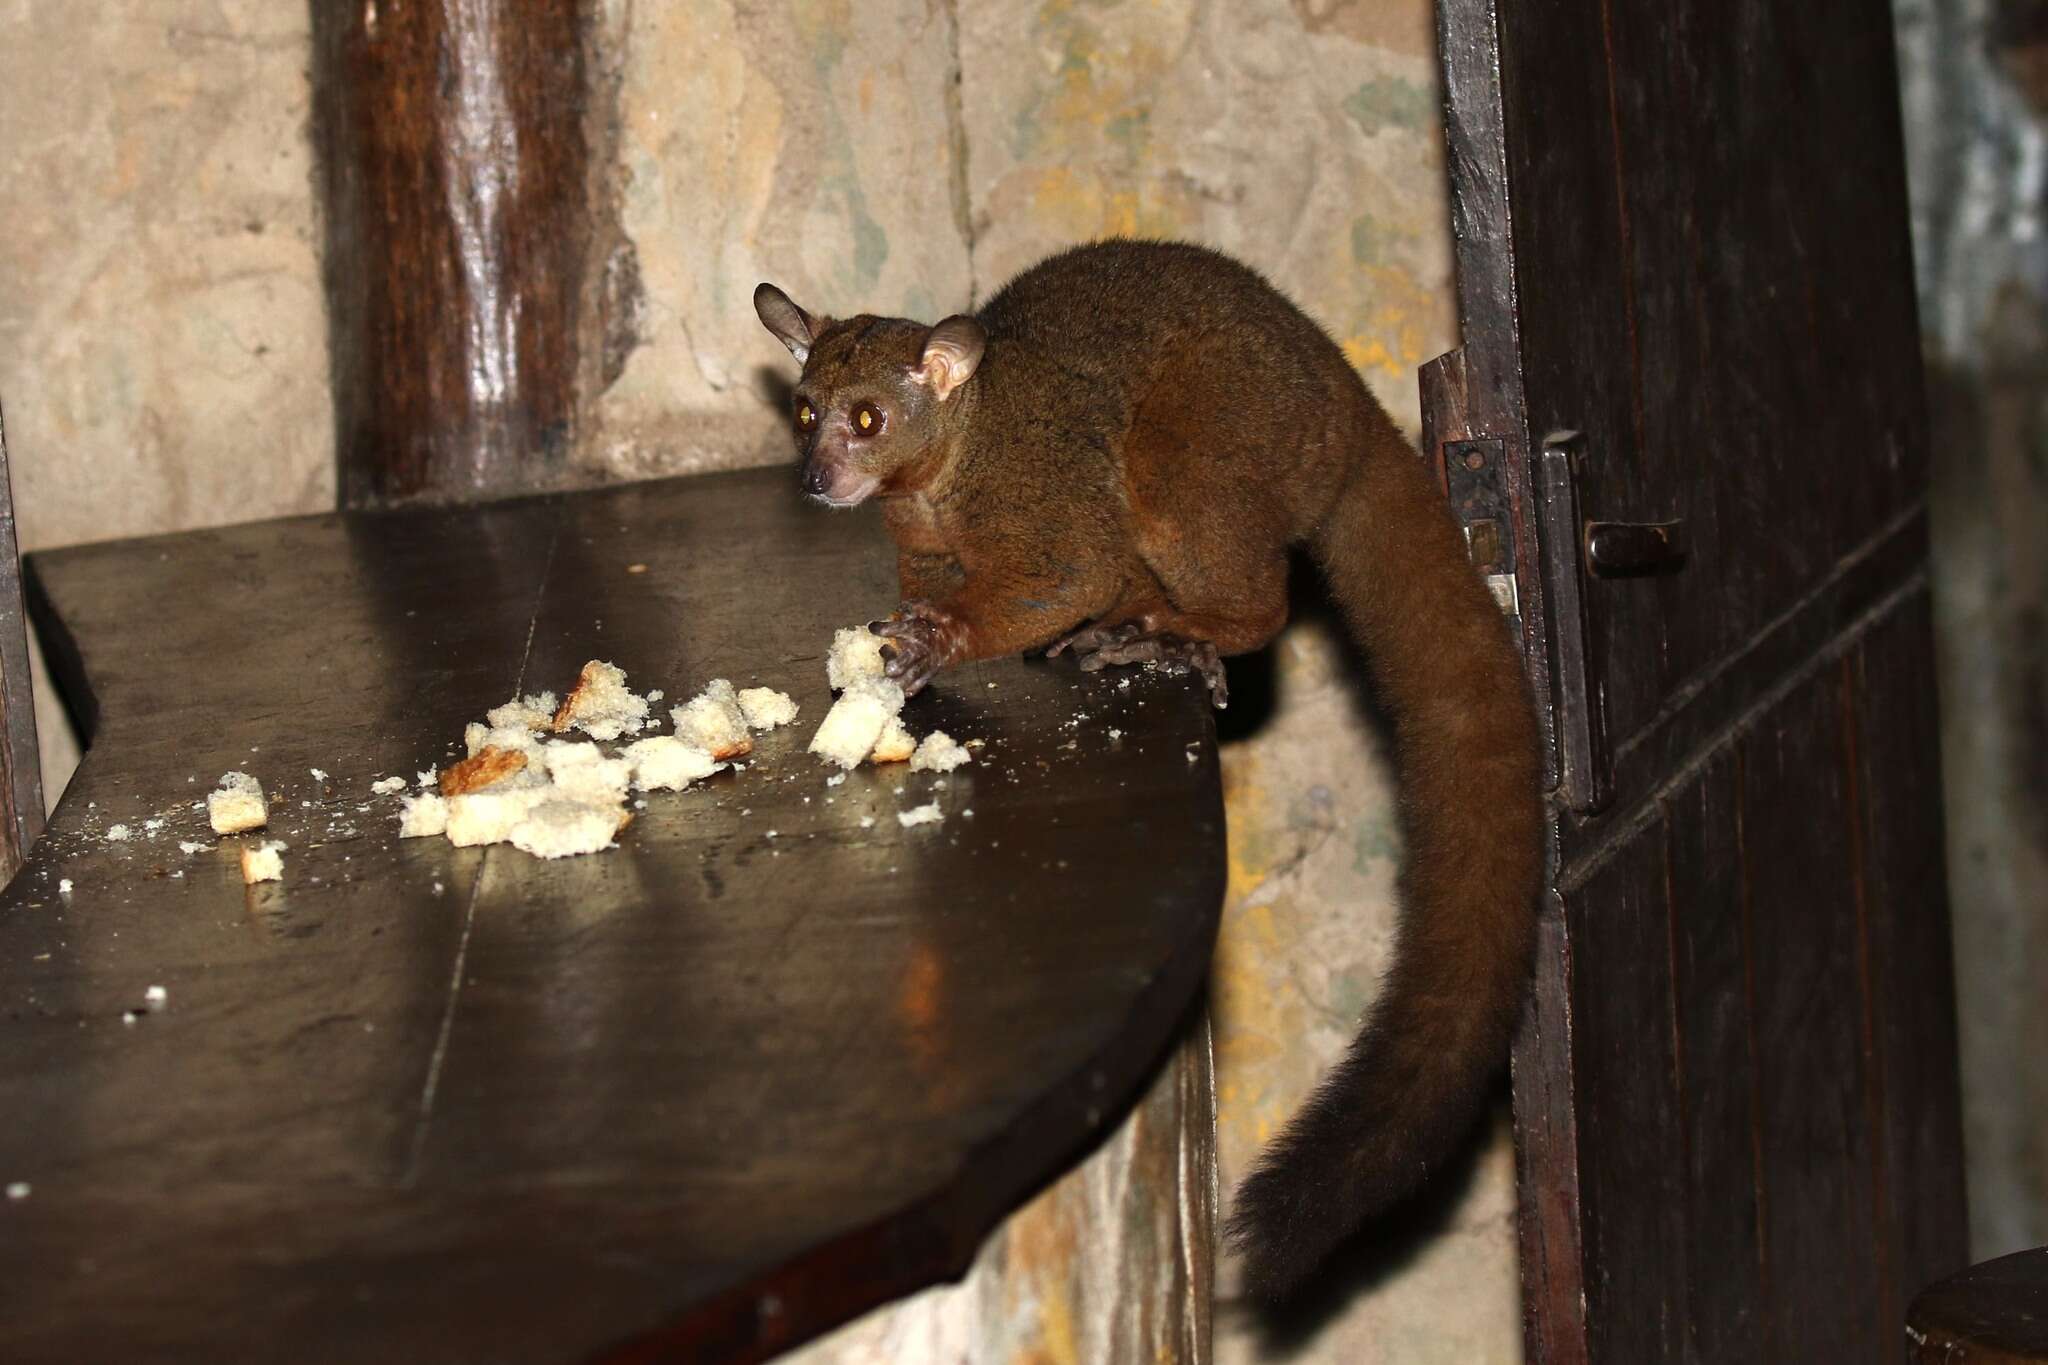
1994, 1313
764, 1065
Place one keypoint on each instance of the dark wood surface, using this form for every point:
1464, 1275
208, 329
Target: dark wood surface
1682, 235
696, 1098
458, 212
21, 773
1991, 1314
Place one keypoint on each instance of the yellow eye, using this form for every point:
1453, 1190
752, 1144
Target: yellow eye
867, 420
805, 416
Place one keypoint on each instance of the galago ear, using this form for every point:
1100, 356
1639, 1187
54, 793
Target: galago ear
793, 327
952, 350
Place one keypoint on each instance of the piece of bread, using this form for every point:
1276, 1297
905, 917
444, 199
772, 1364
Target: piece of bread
477, 738
850, 729
562, 829
237, 805
665, 763
927, 814
896, 744
534, 712
261, 863
713, 721
601, 705
423, 815
489, 817
601, 781
765, 708
487, 767
938, 752
856, 653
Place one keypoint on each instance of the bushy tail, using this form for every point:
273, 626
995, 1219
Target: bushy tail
1469, 772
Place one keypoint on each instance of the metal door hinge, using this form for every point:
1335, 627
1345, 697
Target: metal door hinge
1540, 558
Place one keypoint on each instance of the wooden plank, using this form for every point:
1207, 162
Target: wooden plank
21, 771
1548, 1194
1625, 1055
759, 1068
1889, 695
1714, 975
1819, 1233
453, 166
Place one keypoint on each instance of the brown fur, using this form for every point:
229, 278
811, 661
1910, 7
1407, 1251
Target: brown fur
1143, 432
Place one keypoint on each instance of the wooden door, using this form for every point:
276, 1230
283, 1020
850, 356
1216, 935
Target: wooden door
1686, 290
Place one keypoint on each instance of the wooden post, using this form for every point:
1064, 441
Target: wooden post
21, 774
453, 159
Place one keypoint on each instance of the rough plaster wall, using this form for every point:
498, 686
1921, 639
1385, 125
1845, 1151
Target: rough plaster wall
806, 143
162, 339
1975, 75
163, 345
1301, 136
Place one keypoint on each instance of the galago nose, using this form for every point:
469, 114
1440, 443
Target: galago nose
814, 477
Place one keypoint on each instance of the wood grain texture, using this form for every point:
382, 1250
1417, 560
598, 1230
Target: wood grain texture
1713, 969
1625, 1063
453, 169
1814, 1072
1888, 686
700, 1097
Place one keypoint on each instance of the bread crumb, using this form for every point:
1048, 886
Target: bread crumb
237, 805
601, 706
938, 752
118, 834
856, 721
318, 776
856, 654
486, 767
665, 763
156, 997
423, 815
388, 787
188, 848
64, 887
17, 1189
928, 814
713, 721
765, 708
896, 744
261, 863
426, 778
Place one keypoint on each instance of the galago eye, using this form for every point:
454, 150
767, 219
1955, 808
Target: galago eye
867, 420
806, 415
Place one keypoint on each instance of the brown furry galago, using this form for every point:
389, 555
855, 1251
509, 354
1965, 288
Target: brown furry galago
1112, 459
